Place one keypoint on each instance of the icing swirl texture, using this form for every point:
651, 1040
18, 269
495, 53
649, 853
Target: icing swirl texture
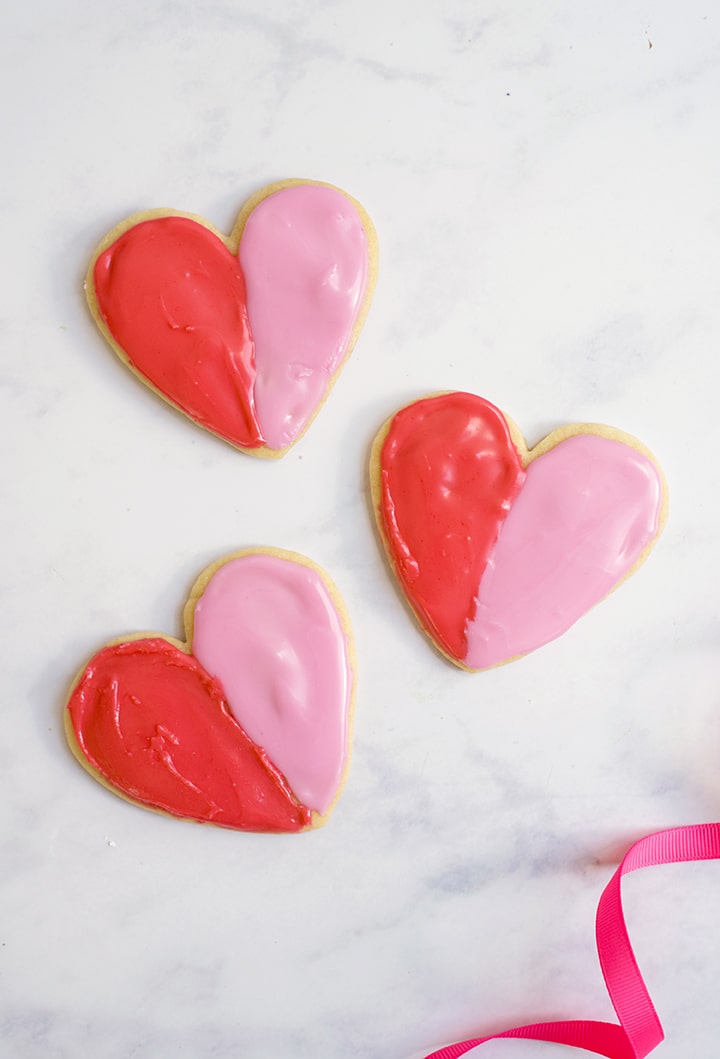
159, 729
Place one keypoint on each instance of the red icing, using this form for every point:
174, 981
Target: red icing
449, 473
173, 298
157, 727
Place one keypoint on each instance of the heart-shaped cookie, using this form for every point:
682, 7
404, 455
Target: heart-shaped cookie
500, 549
247, 724
245, 334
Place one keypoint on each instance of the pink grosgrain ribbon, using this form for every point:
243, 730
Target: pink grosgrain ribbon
639, 1031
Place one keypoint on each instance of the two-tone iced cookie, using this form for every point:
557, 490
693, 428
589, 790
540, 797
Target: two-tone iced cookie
499, 548
245, 334
246, 724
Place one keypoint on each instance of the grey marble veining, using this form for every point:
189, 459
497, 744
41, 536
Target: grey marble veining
543, 179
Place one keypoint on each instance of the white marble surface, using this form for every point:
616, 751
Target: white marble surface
544, 181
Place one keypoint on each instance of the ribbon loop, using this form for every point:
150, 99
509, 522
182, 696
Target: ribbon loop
638, 1031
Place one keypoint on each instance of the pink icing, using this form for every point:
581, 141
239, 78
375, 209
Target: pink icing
587, 510
304, 254
268, 629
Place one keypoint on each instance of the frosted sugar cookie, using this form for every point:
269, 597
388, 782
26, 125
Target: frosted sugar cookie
246, 724
245, 334
500, 549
